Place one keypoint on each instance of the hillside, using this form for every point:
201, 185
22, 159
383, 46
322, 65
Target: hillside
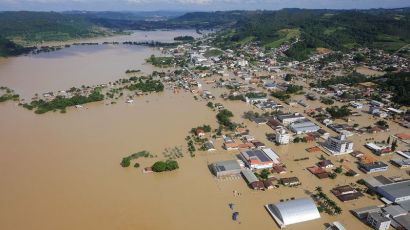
29, 27
336, 30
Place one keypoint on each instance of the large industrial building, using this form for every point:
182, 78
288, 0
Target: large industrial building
260, 158
303, 126
226, 168
398, 192
293, 211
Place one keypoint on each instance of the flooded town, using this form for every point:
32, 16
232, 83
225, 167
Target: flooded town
163, 129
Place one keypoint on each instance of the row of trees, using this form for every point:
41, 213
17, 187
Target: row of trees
326, 203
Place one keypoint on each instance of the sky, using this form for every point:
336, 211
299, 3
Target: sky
194, 5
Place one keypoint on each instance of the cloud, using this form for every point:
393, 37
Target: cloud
188, 5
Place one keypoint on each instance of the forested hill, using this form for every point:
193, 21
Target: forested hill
333, 29
26, 26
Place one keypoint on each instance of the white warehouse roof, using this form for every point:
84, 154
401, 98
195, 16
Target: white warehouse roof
293, 211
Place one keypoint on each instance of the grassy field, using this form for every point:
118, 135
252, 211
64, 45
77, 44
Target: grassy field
285, 35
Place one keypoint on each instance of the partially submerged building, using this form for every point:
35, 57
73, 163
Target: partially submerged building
225, 168
338, 145
293, 211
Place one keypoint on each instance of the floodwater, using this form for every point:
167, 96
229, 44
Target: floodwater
61, 171
74, 66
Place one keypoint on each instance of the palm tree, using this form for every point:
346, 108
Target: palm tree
318, 189
338, 210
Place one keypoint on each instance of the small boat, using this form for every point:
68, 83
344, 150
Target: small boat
130, 101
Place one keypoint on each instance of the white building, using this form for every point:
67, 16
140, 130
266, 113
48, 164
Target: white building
293, 211
378, 221
282, 137
338, 145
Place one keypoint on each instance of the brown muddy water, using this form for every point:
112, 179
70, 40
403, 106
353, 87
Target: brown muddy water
61, 171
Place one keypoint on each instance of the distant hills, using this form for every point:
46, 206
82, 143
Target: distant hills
387, 29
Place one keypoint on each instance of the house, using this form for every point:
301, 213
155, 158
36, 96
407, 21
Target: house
274, 124
373, 167
325, 164
379, 150
209, 146
249, 176
231, 146
257, 185
200, 133
246, 145
258, 144
338, 145
291, 181
318, 172
241, 131
401, 163
346, 193
279, 169
356, 105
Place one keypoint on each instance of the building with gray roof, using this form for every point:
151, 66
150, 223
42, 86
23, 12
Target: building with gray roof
303, 126
396, 192
226, 168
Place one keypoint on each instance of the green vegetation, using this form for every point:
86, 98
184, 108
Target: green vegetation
294, 89
264, 174
327, 101
281, 95
126, 161
236, 98
213, 53
339, 112
285, 95
284, 36
9, 48
289, 77
184, 38
205, 128
148, 85
27, 27
210, 104
61, 103
382, 123
351, 79
162, 62
128, 71
162, 166
326, 203
224, 118
342, 30
8, 95
255, 95
399, 85
173, 153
